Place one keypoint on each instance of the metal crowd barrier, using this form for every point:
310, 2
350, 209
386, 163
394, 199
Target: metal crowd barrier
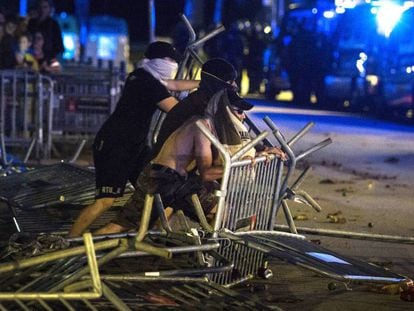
249, 199
40, 108
67, 279
48, 198
86, 96
196, 266
26, 100
187, 69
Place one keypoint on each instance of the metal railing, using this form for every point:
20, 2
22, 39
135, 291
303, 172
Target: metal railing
249, 198
86, 96
26, 109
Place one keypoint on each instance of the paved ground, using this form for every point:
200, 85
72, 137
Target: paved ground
365, 177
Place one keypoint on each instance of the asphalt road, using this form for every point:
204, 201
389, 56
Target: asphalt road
359, 155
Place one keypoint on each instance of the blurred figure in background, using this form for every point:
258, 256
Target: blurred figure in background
308, 59
228, 45
12, 25
46, 64
24, 53
254, 60
7, 59
52, 35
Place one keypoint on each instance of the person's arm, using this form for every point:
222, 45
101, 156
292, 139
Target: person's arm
204, 157
167, 103
182, 85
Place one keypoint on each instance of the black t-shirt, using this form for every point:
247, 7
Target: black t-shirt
194, 104
129, 123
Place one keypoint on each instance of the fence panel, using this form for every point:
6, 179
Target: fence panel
25, 109
86, 96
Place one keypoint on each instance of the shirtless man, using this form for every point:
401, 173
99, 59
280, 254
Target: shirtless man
170, 172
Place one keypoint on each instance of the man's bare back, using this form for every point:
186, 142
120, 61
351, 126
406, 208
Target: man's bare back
187, 148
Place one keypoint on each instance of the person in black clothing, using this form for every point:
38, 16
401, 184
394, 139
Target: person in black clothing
229, 46
254, 61
50, 29
216, 74
7, 60
307, 63
120, 150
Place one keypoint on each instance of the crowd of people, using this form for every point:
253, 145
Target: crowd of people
33, 43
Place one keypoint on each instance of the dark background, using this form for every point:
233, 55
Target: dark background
135, 12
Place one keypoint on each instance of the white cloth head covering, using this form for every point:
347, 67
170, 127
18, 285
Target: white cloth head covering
161, 69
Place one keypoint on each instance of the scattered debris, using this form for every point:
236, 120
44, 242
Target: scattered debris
345, 191
332, 286
300, 217
405, 289
361, 174
407, 293
336, 218
328, 181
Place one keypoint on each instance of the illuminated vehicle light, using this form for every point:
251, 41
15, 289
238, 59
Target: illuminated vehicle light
340, 10
329, 14
372, 79
285, 96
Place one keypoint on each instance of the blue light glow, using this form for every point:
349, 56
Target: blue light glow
23, 8
107, 46
388, 16
69, 44
329, 14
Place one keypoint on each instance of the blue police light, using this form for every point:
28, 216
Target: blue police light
69, 40
107, 46
388, 16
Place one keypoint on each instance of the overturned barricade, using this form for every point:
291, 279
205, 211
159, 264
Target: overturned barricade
44, 198
189, 266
